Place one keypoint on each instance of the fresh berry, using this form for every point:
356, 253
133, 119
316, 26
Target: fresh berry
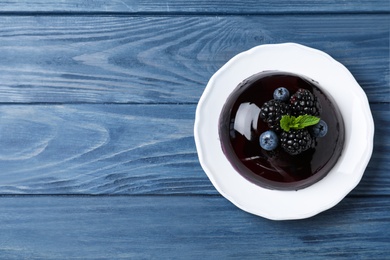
272, 111
296, 141
269, 140
303, 102
320, 129
281, 94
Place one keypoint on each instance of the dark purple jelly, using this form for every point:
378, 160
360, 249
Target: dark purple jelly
240, 128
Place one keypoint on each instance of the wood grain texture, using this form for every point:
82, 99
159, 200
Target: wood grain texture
180, 6
98, 149
169, 59
98, 97
185, 228
125, 149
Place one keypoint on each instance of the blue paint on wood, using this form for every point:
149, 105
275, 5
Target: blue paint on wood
185, 227
164, 59
125, 149
196, 7
98, 97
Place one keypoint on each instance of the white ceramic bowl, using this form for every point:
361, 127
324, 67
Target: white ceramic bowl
336, 81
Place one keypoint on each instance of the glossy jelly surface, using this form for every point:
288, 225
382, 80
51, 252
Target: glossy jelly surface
240, 128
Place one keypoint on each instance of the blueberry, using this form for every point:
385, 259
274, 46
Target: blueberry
269, 140
281, 94
320, 129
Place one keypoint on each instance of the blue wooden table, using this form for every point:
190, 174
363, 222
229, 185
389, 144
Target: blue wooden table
97, 156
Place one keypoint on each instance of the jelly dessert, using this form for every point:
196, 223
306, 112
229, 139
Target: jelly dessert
281, 130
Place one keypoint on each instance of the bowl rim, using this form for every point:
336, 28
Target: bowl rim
284, 205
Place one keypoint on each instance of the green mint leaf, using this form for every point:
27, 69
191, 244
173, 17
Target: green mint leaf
307, 120
288, 122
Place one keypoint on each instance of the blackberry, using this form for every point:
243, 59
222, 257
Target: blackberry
296, 141
272, 111
304, 102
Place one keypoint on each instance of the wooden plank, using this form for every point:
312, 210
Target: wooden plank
125, 149
98, 149
169, 59
188, 227
180, 6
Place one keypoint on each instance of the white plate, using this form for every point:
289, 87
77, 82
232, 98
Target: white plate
337, 81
